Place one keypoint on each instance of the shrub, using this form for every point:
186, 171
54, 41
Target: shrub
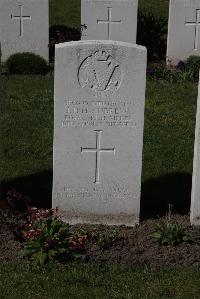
193, 66
152, 34
27, 63
61, 34
159, 71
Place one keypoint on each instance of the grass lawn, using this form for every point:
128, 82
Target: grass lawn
27, 127
93, 281
27, 142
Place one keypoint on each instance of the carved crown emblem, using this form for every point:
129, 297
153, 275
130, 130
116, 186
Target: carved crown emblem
100, 73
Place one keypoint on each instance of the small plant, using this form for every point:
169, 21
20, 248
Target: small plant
159, 71
193, 66
169, 233
77, 245
27, 63
47, 238
107, 239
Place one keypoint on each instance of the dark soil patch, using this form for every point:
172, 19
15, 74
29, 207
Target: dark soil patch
9, 247
121, 245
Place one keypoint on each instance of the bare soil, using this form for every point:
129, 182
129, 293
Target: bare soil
121, 245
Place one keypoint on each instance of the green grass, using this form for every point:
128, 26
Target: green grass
169, 128
67, 12
93, 281
27, 127
159, 8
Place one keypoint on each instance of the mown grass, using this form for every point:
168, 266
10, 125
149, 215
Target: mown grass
169, 128
65, 12
27, 127
94, 281
159, 8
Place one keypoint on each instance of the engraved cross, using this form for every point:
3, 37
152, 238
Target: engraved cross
21, 19
109, 22
97, 150
196, 24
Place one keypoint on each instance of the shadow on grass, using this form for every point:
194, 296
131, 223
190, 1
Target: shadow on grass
36, 186
156, 195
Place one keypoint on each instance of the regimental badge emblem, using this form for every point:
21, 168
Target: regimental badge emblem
100, 73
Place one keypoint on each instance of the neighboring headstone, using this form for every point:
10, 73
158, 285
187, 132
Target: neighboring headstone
183, 30
0, 57
98, 131
109, 20
24, 27
195, 202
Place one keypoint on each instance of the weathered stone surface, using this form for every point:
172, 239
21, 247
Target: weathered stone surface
98, 131
183, 30
24, 27
109, 20
195, 202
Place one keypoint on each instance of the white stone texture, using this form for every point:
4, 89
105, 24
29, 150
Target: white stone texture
98, 131
109, 20
195, 202
183, 30
24, 27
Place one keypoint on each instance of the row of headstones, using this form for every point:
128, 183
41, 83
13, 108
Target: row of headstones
25, 25
98, 128
98, 133
117, 20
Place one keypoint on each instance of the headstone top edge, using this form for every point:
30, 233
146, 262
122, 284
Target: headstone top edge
100, 42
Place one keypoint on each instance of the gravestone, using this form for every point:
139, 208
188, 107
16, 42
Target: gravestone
24, 27
98, 131
195, 202
183, 30
109, 20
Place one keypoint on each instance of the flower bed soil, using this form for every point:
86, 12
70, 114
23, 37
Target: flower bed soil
120, 245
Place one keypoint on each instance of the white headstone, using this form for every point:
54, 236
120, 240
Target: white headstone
195, 202
183, 30
98, 131
109, 20
24, 27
